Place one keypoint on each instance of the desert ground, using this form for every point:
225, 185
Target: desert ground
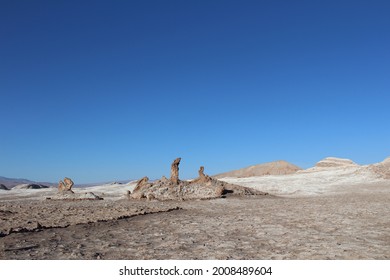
331, 211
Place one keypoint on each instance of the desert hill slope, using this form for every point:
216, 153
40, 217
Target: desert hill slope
330, 175
279, 167
381, 168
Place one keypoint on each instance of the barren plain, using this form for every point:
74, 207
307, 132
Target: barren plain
331, 212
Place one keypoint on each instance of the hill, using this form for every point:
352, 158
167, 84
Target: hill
279, 167
382, 169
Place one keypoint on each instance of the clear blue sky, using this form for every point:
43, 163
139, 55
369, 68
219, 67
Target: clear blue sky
110, 90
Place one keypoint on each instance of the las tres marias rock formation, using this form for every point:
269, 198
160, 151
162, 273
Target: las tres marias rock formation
204, 187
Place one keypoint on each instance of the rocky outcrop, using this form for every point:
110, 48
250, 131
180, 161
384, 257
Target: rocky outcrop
66, 185
175, 171
139, 189
201, 173
204, 187
141, 183
3, 187
203, 178
65, 192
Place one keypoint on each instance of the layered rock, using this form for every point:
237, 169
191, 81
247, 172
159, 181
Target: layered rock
335, 162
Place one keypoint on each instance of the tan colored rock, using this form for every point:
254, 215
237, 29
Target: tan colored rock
164, 179
137, 195
141, 182
175, 171
219, 191
201, 172
65, 185
203, 178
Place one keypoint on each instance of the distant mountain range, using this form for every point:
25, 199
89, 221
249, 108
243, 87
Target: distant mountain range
12, 182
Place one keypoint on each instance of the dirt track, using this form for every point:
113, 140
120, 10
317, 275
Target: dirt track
318, 227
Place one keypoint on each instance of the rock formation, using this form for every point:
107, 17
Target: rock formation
202, 177
201, 172
3, 187
65, 192
65, 185
142, 182
175, 171
203, 187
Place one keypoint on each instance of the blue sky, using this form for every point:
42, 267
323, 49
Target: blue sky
110, 90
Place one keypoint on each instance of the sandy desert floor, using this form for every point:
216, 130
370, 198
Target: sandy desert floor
352, 224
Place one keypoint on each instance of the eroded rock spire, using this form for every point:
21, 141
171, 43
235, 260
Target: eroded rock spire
175, 171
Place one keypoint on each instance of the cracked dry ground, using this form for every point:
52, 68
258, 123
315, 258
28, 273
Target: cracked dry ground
327, 227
